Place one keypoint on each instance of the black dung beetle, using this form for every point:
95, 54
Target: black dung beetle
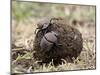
49, 40
44, 25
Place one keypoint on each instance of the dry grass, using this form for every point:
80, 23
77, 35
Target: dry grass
25, 63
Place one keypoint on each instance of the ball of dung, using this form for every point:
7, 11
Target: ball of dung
69, 42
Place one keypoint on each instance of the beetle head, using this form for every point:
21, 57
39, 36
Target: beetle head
43, 23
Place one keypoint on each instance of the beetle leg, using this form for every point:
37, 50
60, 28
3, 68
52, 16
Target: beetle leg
35, 32
58, 45
45, 31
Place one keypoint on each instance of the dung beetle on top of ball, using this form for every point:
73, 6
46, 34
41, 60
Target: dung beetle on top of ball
44, 25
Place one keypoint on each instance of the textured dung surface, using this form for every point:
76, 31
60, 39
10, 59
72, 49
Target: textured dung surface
69, 38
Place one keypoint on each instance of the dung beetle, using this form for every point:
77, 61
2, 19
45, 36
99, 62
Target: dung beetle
49, 40
44, 25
